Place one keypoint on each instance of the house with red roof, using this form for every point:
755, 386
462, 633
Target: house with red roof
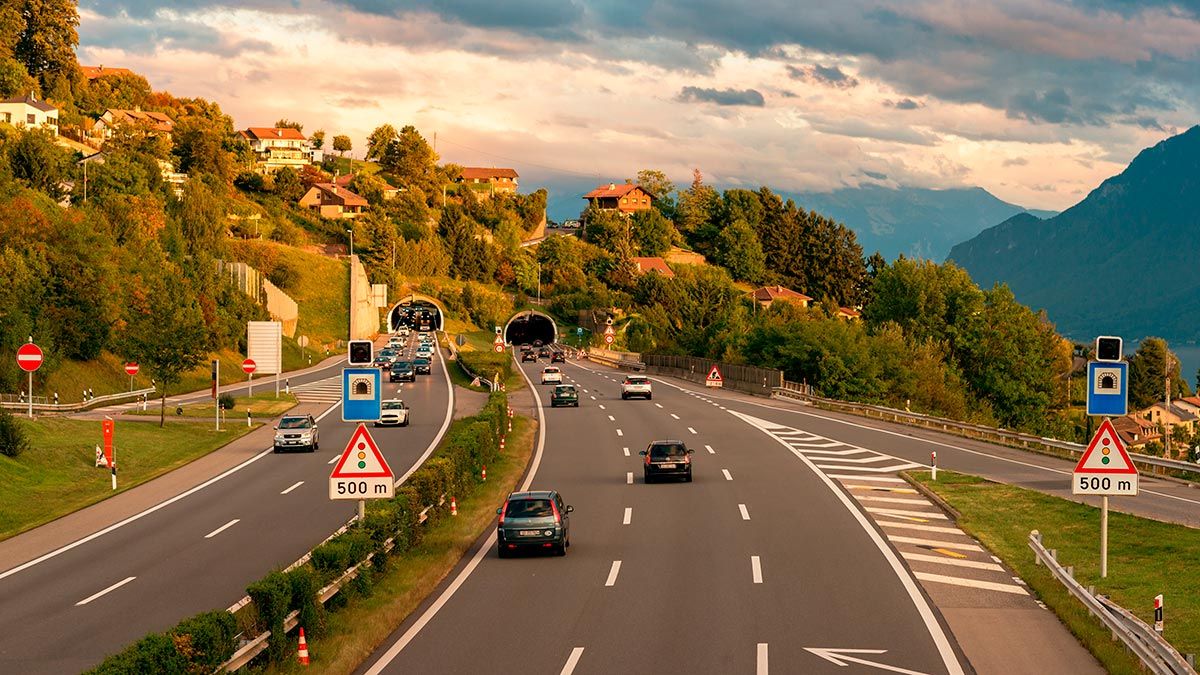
330, 200
1135, 431
275, 148
653, 264
768, 294
94, 72
492, 180
156, 122
625, 198
848, 313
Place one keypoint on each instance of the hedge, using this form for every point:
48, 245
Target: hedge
196, 645
486, 364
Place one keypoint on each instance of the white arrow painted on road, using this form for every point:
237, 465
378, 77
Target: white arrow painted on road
841, 657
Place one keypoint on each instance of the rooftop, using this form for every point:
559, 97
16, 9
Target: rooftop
769, 293
653, 265
31, 101
611, 190
473, 172
92, 72
270, 133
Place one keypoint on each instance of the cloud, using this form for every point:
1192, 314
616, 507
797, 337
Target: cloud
1016, 161
746, 97
830, 76
904, 104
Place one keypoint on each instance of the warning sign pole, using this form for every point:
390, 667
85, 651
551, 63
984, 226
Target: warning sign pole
1104, 537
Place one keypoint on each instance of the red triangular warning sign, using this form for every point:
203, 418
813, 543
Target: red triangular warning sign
1106, 453
714, 375
361, 458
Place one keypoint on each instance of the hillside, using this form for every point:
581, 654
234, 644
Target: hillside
1122, 261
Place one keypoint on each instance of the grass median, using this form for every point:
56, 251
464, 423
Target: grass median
354, 632
261, 406
1145, 558
58, 474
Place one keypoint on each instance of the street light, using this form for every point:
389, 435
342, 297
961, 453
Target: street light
351, 233
539, 283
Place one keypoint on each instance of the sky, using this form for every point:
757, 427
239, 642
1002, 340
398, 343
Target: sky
1037, 101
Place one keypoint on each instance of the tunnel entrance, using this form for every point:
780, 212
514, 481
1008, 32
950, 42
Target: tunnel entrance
415, 311
530, 326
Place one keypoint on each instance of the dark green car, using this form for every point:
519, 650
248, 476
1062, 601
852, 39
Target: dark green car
564, 394
533, 520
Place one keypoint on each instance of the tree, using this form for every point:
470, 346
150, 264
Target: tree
927, 300
285, 123
379, 140
653, 233
48, 38
609, 230
412, 161
697, 206
37, 161
341, 144
14, 79
204, 145
1148, 370
288, 186
738, 250
317, 139
656, 183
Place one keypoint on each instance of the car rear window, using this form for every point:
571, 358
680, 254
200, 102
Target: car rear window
424, 362
565, 389
667, 450
401, 365
393, 405
637, 380
528, 508
550, 370
294, 423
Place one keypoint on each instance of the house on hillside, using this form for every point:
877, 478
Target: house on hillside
656, 265
624, 198
1190, 404
1135, 431
489, 179
768, 294
389, 192
276, 148
1174, 416
332, 201
94, 72
848, 313
27, 112
156, 122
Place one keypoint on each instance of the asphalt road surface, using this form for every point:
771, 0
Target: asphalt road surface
66, 612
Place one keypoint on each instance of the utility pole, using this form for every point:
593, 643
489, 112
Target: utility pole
1167, 398
539, 283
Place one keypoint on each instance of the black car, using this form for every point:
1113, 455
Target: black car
402, 371
533, 520
528, 356
421, 364
558, 357
544, 353
667, 458
564, 394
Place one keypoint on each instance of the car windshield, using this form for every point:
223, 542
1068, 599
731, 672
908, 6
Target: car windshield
294, 423
528, 508
393, 405
667, 450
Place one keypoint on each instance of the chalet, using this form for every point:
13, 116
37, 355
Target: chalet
1135, 431
156, 122
625, 198
848, 313
332, 201
95, 72
26, 112
656, 265
276, 148
768, 294
489, 179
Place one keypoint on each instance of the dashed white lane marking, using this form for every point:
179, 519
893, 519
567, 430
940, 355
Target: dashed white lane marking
710, 450
934, 543
672, 415
628, 515
107, 590
628, 477
902, 512
620, 433
745, 513
331, 460
658, 405
953, 562
612, 573
761, 660
722, 408
293, 487
971, 583
920, 528
727, 474
692, 430
601, 407
611, 418
625, 450
222, 528
572, 661
893, 500
756, 569
591, 397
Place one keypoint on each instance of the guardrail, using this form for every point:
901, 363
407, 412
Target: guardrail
76, 407
1147, 463
1155, 653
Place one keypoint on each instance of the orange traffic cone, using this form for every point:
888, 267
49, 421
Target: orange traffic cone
483, 475
453, 507
501, 444
303, 651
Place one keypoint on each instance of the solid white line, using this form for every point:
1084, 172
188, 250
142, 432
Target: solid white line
902, 512
399, 645
691, 430
628, 515
626, 451
222, 528
894, 500
672, 415
612, 573
954, 562
659, 405
756, 569
971, 583
572, 661
107, 590
710, 450
727, 475
629, 478
620, 433
745, 513
761, 661
934, 543
611, 418
881, 479
877, 469
298, 484
920, 528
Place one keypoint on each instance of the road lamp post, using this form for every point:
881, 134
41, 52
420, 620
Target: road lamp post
351, 233
539, 283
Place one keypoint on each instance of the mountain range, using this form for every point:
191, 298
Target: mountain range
1120, 262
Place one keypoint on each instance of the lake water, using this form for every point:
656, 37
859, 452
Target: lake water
1189, 362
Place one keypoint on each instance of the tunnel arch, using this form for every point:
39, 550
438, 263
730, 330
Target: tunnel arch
408, 310
529, 325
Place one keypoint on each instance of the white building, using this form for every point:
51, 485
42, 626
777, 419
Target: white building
27, 112
277, 148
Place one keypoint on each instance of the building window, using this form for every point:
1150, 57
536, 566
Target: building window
8, 118
32, 119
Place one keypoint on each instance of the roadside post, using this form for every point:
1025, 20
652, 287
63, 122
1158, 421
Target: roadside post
361, 472
29, 358
216, 392
1158, 614
107, 427
933, 463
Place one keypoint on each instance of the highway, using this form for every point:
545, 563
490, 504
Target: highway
64, 611
761, 564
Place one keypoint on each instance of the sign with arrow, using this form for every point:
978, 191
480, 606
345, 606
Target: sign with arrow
714, 378
361, 472
843, 657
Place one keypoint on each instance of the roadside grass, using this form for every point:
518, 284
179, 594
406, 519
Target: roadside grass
459, 378
261, 406
1145, 558
355, 631
58, 475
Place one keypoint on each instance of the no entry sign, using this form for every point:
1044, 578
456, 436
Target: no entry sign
131, 369
29, 357
248, 366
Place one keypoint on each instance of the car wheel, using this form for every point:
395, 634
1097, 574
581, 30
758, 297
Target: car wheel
646, 478
649, 397
688, 477
576, 404
501, 551
560, 550
624, 397
277, 450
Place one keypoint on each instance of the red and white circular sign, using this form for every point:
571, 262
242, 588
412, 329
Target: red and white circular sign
29, 357
248, 366
499, 347
131, 368
608, 339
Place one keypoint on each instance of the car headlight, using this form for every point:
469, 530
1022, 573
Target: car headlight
278, 437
